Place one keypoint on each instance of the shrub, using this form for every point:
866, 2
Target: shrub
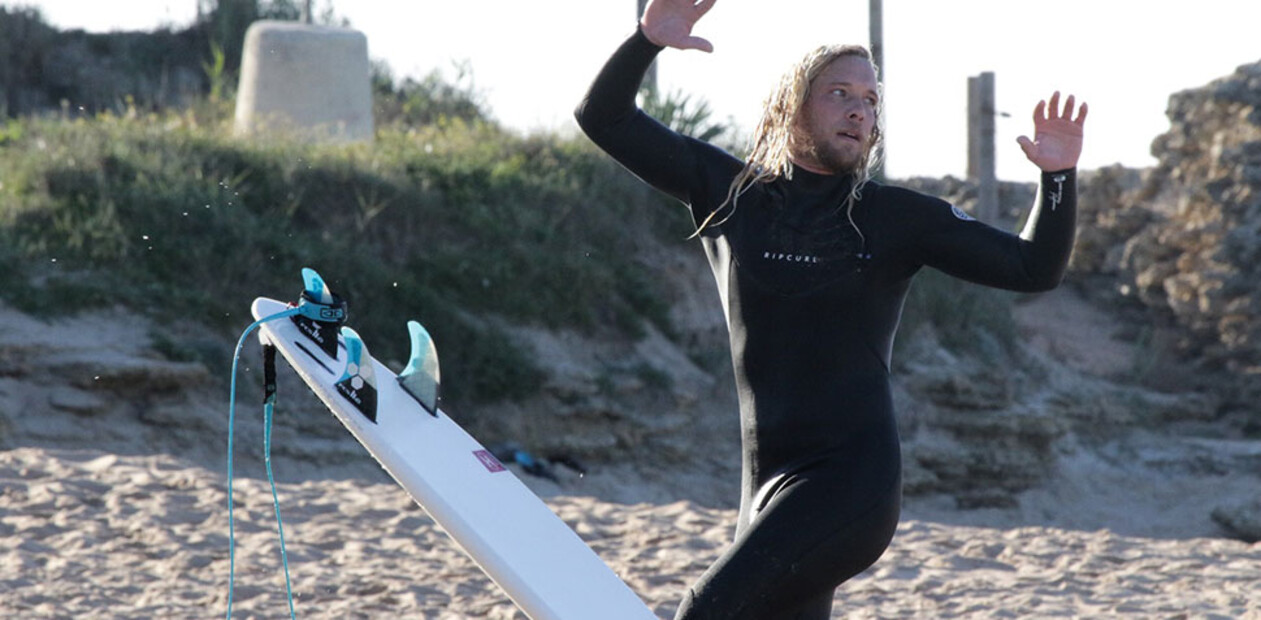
166, 213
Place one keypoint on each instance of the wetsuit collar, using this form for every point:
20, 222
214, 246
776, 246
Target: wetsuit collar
814, 182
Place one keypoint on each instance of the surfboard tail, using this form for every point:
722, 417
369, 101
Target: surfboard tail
421, 378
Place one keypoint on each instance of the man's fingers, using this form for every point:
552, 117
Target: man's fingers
1047, 111
669, 23
1026, 145
697, 43
1039, 112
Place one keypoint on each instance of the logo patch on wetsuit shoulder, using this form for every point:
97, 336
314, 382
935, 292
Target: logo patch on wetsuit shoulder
961, 214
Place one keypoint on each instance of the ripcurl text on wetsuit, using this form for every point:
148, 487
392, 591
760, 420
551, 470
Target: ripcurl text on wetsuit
812, 306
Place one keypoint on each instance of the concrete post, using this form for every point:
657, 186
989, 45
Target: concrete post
311, 81
981, 154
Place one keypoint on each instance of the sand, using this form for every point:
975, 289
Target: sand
106, 515
89, 534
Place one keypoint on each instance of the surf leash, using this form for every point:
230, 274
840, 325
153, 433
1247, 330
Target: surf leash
269, 401
316, 306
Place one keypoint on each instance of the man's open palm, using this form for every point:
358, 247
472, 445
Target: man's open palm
1057, 137
669, 23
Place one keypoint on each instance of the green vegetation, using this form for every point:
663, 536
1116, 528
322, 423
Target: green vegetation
681, 112
456, 223
968, 318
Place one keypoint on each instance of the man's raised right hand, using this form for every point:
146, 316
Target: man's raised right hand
669, 23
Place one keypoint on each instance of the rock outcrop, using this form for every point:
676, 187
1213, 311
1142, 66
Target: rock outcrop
1184, 239
1242, 520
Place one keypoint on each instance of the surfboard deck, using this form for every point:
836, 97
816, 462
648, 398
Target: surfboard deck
542, 565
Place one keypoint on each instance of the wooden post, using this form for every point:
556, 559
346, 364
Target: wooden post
650, 78
875, 26
981, 154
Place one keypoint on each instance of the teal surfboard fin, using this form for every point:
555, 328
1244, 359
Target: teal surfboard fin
421, 377
315, 287
358, 384
320, 312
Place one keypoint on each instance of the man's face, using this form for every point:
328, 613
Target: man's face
833, 130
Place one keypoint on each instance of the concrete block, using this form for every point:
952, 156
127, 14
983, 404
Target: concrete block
310, 81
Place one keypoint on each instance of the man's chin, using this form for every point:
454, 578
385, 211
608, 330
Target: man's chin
847, 165
840, 161
830, 161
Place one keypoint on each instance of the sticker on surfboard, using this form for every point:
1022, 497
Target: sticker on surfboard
489, 461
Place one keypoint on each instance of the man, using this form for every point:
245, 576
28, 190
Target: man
813, 261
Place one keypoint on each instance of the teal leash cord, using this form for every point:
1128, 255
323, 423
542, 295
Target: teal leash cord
268, 406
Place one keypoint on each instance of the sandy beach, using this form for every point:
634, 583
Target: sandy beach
113, 504
88, 534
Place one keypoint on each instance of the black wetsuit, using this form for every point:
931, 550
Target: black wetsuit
812, 306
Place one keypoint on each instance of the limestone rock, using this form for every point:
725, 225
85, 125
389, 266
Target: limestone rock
131, 374
77, 401
1242, 520
1186, 243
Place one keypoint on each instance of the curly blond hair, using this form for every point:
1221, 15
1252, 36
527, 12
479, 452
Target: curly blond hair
768, 153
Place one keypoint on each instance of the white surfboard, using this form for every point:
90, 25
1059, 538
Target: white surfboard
543, 566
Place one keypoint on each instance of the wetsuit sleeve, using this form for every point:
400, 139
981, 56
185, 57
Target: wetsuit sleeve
608, 114
1035, 260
